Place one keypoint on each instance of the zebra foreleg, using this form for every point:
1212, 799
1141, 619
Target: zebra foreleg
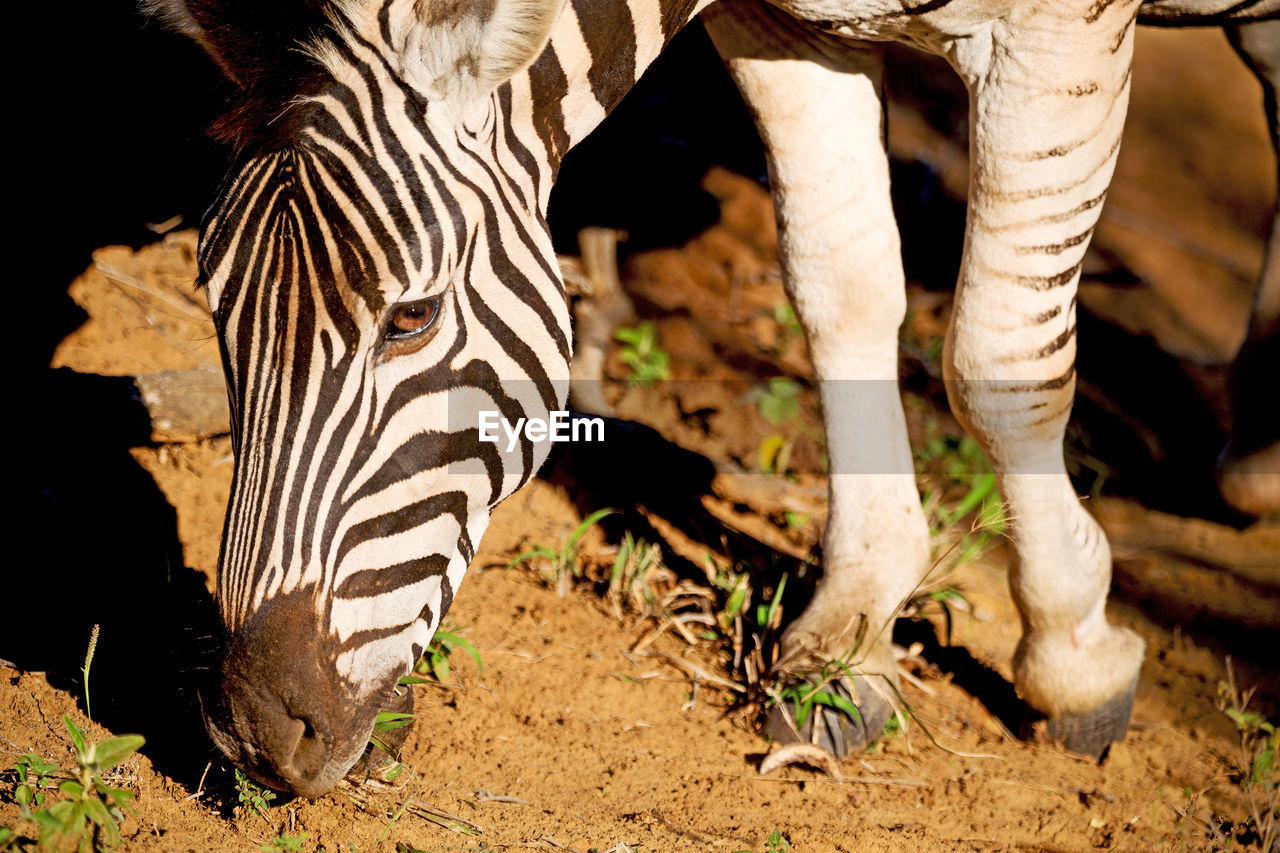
1049, 88
1249, 476
817, 101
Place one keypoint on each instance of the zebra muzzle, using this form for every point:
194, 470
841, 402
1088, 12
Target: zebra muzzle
283, 713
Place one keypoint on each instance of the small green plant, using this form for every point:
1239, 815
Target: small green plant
253, 795
769, 615
1258, 762
561, 567
737, 589
35, 777
777, 400
393, 772
804, 697
796, 520
959, 484
775, 843
85, 812
649, 363
285, 844
387, 721
636, 571
435, 660
789, 327
943, 599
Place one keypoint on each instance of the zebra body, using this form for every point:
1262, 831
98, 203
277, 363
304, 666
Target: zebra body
380, 272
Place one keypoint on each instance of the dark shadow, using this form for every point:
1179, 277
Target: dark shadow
1250, 647
107, 554
635, 467
971, 675
928, 85
112, 142
1146, 415
641, 170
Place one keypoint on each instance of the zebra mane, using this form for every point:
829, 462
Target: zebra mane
267, 52
278, 53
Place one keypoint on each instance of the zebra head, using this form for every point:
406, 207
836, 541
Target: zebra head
379, 273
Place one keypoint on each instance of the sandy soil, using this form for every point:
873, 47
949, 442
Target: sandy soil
568, 739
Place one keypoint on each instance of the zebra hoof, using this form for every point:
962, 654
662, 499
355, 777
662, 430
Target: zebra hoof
831, 728
1091, 733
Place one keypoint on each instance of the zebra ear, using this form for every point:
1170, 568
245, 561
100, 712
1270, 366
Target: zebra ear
177, 15
475, 45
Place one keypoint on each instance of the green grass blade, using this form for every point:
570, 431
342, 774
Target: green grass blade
77, 736
410, 680
776, 602
835, 700
388, 720
540, 551
983, 485
587, 524
470, 649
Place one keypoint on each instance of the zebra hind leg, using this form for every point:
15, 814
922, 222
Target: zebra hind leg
1050, 91
822, 123
1249, 474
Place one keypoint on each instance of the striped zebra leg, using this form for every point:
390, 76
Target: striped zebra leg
1049, 89
1250, 474
817, 101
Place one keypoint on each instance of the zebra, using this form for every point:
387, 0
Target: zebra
380, 272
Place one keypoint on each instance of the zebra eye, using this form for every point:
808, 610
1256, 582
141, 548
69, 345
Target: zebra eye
410, 319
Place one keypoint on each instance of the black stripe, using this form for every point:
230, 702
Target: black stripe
1024, 387
1096, 10
672, 16
367, 583
512, 277
1057, 343
1057, 248
550, 87
1056, 416
927, 7
402, 519
516, 146
1057, 382
1049, 282
1046, 316
609, 32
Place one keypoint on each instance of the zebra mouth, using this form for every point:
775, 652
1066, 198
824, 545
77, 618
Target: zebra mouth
283, 714
279, 744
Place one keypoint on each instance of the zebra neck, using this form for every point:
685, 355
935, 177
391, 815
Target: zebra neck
597, 52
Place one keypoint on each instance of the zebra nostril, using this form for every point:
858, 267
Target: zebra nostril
313, 749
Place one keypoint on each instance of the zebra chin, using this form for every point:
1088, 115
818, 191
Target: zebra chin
282, 712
